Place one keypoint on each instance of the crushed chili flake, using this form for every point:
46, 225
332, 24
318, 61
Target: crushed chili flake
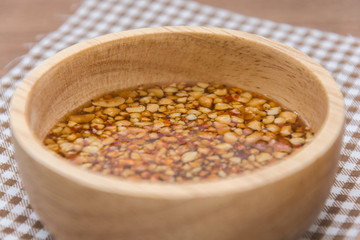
178, 132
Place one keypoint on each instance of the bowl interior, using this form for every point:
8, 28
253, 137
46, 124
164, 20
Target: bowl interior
113, 62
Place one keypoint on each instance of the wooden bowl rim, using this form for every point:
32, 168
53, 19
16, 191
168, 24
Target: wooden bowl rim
322, 142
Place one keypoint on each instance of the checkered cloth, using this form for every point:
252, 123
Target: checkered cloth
338, 54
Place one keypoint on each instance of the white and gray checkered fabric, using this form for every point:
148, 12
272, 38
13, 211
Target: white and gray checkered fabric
339, 54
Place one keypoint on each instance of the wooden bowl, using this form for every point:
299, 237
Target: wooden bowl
279, 201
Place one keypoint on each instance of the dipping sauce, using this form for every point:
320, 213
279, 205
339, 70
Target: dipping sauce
178, 132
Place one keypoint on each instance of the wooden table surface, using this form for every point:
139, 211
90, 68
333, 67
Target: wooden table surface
24, 22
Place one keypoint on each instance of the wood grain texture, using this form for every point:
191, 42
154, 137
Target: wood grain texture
23, 21
282, 200
327, 15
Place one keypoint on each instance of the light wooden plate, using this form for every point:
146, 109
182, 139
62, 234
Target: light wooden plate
277, 202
